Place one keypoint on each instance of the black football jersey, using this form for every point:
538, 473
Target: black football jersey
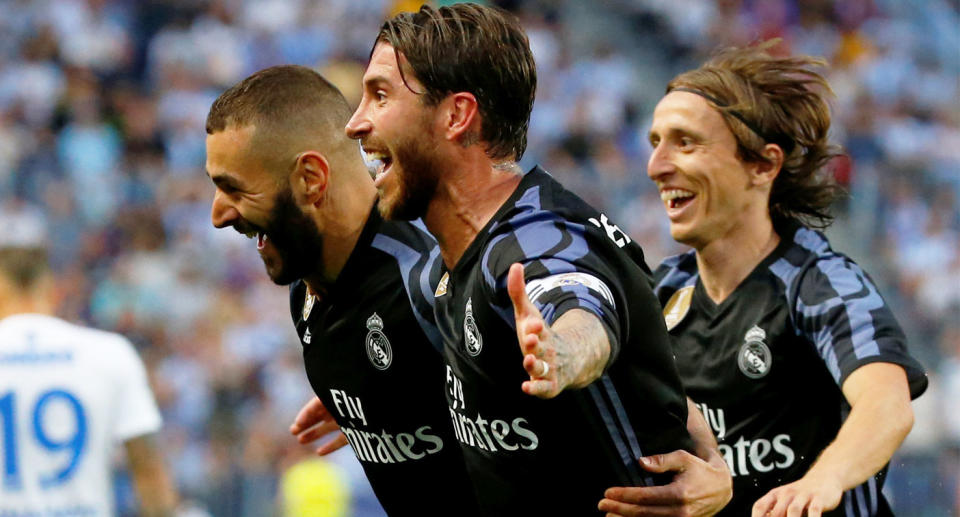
525, 455
766, 365
371, 353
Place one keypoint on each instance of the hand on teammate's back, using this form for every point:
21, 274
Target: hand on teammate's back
699, 488
805, 497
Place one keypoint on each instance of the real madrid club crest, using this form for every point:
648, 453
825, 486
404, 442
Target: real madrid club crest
473, 341
677, 307
754, 358
378, 346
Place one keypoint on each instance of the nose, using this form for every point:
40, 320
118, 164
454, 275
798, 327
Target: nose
222, 213
359, 124
659, 163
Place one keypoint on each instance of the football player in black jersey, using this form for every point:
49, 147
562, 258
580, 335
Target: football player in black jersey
560, 374
288, 177
785, 344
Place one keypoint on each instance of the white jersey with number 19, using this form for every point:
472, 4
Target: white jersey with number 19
68, 395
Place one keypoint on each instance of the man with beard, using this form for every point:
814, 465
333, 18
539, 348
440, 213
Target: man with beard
286, 175
545, 428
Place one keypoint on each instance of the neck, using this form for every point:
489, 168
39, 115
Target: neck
465, 203
35, 301
341, 223
725, 262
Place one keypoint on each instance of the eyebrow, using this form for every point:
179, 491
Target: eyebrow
376, 80
696, 135
224, 181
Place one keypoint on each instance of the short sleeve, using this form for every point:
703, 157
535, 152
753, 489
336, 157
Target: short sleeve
563, 269
839, 309
137, 413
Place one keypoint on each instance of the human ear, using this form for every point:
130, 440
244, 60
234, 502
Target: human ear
461, 113
769, 167
310, 178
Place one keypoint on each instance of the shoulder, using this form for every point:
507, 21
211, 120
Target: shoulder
812, 272
543, 219
676, 272
109, 348
412, 235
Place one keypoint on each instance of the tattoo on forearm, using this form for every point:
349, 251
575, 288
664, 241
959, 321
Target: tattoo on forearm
582, 348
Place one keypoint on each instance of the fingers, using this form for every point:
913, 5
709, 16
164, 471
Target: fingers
676, 461
648, 495
629, 510
318, 431
763, 505
543, 388
543, 381
538, 368
517, 289
312, 413
780, 509
339, 441
797, 507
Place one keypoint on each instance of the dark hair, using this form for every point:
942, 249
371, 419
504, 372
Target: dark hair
780, 100
280, 101
24, 266
476, 49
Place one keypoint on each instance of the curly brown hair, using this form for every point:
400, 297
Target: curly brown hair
779, 100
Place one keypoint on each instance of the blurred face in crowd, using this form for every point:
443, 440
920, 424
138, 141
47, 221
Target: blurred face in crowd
396, 128
706, 189
258, 203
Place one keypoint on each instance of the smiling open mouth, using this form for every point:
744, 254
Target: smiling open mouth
381, 161
676, 198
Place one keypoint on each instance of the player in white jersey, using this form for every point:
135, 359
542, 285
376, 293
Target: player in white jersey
68, 395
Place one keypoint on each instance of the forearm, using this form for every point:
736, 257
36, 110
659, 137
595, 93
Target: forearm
878, 422
582, 348
155, 490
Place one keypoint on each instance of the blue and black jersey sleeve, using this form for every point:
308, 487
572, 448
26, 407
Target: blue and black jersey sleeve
563, 262
418, 259
836, 305
674, 273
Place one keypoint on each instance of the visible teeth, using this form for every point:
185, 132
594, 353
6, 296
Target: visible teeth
671, 194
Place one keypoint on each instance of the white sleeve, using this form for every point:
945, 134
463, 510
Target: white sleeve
136, 413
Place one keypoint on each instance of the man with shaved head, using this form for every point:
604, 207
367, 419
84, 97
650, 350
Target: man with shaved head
287, 176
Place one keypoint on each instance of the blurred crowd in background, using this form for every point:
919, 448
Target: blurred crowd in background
102, 110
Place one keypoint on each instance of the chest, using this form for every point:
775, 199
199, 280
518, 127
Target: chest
366, 339
744, 349
478, 334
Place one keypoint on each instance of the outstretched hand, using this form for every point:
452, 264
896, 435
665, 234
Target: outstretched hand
535, 338
313, 422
